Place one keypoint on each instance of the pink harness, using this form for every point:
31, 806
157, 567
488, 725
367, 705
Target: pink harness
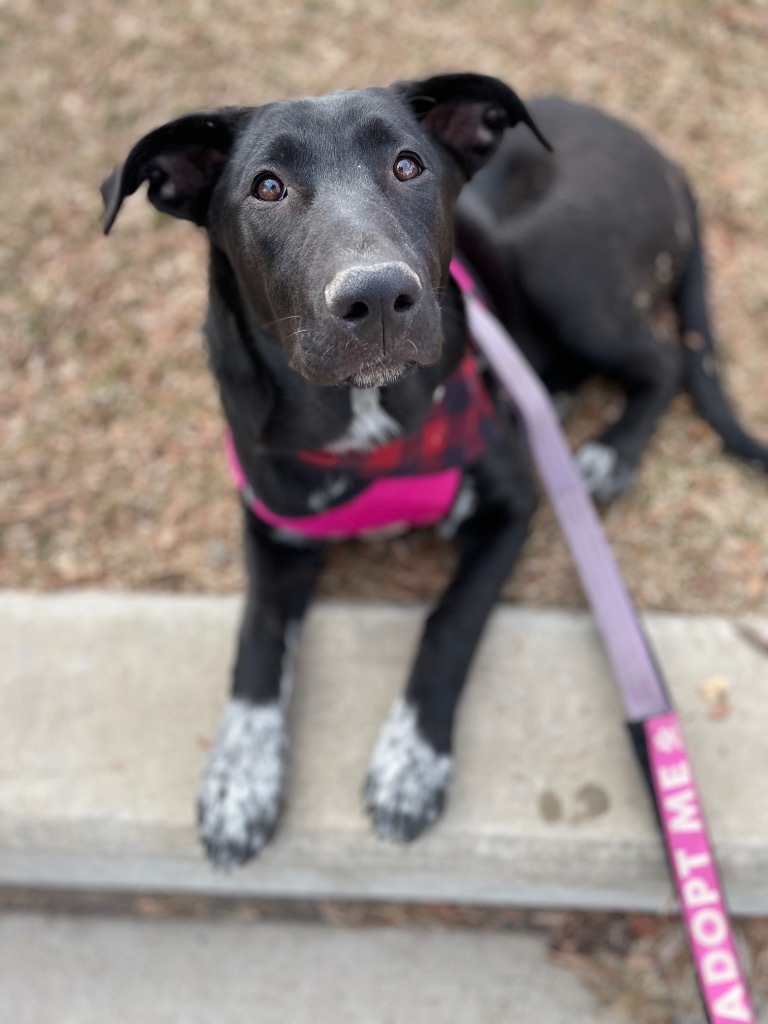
389, 504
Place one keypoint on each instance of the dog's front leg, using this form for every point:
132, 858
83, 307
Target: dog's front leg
411, 765
240, 795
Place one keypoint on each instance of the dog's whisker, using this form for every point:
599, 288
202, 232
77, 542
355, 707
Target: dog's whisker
298, 332
280, 320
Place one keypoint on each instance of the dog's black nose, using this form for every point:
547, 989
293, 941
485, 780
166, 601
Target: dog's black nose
388, 293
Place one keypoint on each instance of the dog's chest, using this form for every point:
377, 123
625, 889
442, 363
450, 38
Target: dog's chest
455, 428
375, 474
370, 424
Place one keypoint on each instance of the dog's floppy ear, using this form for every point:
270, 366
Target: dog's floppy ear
181, 160
467, 114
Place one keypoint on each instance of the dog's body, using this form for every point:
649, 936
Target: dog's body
579, 248
334, 329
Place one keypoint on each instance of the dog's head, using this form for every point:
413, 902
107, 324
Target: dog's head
334, 213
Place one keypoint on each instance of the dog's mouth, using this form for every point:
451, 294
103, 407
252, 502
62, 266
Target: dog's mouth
379, 376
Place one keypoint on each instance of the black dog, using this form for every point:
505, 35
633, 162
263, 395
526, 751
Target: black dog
338, 342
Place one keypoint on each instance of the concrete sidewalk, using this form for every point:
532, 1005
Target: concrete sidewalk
97, 970
108, 703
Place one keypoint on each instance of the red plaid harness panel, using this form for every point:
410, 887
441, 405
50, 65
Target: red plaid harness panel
461, 425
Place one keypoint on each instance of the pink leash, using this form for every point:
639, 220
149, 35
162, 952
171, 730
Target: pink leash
653, 723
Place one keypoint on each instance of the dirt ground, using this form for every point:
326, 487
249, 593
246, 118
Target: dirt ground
112, 472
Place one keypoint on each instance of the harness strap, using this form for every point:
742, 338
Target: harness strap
654, 725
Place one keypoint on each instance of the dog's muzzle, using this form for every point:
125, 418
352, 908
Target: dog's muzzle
376, 323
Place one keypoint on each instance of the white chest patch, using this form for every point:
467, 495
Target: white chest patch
370, 426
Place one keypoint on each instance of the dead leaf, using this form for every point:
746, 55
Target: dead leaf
715, 691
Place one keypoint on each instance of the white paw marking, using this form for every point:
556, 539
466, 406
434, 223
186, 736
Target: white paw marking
370, 426
596, 462
239, 797
604, 475
407, 778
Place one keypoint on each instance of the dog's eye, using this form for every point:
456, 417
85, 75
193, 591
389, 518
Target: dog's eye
407, 166
268, 188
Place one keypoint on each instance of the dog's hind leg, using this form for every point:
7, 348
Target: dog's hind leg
411, 765
240, 795
650, 377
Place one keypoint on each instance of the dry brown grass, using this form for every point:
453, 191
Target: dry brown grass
112, 469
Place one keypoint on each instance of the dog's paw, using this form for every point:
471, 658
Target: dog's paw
407, 779
239, 799
602, 472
